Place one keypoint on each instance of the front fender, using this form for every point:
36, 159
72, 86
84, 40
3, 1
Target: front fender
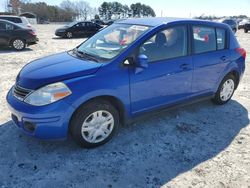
112, 83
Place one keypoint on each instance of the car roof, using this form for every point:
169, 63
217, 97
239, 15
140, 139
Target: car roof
157, 21
11, 16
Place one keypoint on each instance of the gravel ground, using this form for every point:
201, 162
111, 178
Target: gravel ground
200, 145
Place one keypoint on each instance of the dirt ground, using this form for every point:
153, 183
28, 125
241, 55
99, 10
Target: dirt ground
200, 145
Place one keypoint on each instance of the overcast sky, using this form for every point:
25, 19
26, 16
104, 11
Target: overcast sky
178, 8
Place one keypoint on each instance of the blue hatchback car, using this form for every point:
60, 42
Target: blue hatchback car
129, 68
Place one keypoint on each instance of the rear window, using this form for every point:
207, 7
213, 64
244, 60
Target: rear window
12, 19
204, 39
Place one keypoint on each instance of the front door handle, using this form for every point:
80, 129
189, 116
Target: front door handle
184, 66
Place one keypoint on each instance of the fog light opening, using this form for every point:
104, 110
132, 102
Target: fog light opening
29, 126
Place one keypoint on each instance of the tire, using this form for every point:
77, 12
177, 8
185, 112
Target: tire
69, 35
234, 30
245, 30
225, 90
18, 44
88, 126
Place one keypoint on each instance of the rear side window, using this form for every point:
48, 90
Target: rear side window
204, 39
221, 39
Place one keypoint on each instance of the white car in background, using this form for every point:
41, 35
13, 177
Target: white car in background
243, 23
20, 20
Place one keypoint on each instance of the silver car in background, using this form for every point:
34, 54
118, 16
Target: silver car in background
20, 20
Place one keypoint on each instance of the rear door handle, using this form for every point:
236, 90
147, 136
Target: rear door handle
223, 58
184, 66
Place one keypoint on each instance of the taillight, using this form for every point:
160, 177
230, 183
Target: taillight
242, 52
32, 33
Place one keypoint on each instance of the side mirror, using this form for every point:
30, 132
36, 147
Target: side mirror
142, 61
141, 64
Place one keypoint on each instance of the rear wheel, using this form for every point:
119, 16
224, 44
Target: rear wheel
245, 30
18, 44
225, 90
94, 124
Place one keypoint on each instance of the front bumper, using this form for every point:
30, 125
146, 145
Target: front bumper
60, 34
43, 122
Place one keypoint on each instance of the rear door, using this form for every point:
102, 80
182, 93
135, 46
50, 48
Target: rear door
210, 56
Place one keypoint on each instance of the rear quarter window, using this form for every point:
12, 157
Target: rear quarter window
221, 38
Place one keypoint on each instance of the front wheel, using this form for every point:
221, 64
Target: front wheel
94, 124
225, 90
69, 35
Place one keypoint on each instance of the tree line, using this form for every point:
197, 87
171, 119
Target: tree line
109, 9
209, 17
70, 10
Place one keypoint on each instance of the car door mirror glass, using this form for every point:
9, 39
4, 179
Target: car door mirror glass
141, 64
142, 61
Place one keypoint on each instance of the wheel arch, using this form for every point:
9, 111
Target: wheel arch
117, 103
236, 75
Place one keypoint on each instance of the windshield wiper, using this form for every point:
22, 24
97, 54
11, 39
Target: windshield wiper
85, 55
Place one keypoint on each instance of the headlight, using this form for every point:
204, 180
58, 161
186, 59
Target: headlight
48, 94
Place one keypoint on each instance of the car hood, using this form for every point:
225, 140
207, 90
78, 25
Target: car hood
53, 69
63, 28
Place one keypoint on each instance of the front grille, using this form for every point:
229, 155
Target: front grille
20, 92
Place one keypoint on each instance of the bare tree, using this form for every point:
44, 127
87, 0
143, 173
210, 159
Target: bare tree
83, 9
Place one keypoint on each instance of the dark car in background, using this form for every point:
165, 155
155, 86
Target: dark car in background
16, 36
247, 27
233, 24
78, 29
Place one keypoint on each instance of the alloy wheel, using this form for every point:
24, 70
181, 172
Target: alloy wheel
18, 44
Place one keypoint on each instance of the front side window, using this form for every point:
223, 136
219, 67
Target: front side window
2, 26
166, 44
112, 40
204, 39
221, 39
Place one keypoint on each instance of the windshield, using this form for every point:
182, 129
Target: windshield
71, 24
112, 40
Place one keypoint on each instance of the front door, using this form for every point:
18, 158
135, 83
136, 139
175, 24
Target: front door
168, 78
